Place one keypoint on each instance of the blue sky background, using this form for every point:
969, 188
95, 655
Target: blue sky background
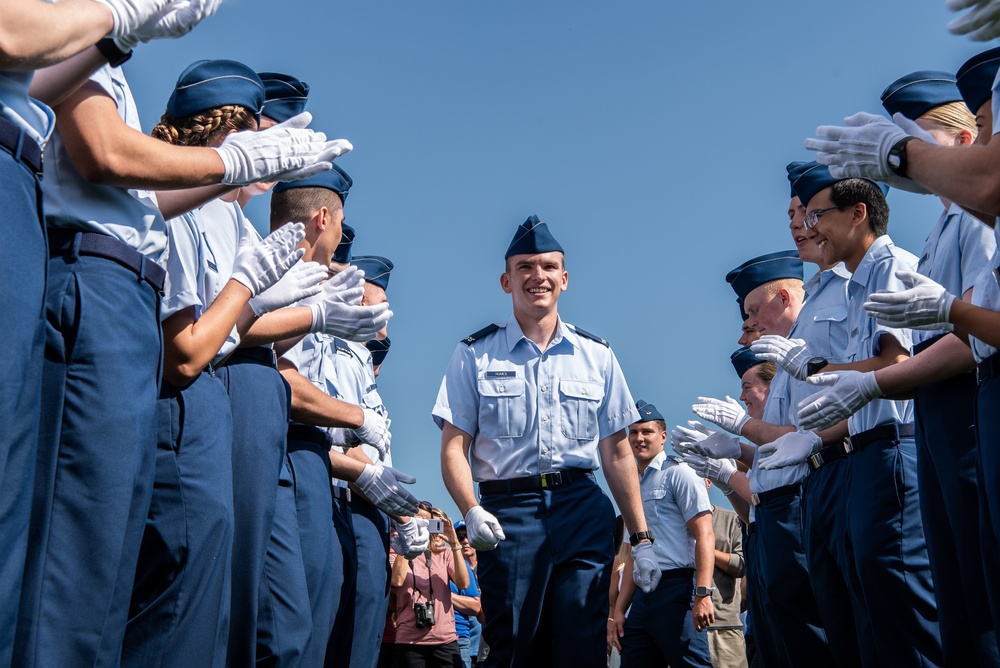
651, 136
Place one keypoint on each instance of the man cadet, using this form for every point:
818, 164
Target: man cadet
538, 404
869, 531
319, 419
772, 292
664, 626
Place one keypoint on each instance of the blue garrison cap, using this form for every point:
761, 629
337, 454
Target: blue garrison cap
647, 412
376, 269
208, 84
343, 252
532, 237
764, 269
284, 96
975, 78
808, 178
334, 179
918, 92
743, 359
379, 348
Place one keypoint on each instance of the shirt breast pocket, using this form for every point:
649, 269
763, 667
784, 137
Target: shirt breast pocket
502, 410
830, 327
651, 497
578, 404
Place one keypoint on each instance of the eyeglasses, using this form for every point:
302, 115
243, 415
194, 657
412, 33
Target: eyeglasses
812, 218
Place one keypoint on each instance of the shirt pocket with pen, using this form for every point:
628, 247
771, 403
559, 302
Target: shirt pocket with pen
502, 409
579, 401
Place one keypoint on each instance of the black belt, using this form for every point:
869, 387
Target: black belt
257, 355
67, 242
924, 345
304, 432
761, 498
687, 573
751, 528
21, 146
533, 482
885, 432
989, 368
341, 493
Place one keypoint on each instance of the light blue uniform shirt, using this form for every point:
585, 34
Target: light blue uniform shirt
131, 216
531, 411
201, 249
31, 115
672, 495
875, 273
957, 250
986, 293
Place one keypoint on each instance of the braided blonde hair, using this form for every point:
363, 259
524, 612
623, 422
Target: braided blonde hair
953, 118
202, 128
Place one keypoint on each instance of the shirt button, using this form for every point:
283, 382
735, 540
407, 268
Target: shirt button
545, 418
544, 449
542, 388
503, 388
583, 391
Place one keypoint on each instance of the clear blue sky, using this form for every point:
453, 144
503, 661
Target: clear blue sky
651, 136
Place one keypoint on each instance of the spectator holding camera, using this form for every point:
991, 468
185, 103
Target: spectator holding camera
425, 619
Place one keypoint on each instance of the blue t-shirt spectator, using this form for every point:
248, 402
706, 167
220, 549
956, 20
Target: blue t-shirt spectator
461, 620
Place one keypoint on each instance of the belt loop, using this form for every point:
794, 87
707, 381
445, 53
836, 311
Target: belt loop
74, 249
19, 145
142, 269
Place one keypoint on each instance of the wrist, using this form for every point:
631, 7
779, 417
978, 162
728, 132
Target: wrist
114, 51
897, 158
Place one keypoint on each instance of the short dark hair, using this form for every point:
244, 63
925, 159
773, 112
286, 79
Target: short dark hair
849, 192
297, 205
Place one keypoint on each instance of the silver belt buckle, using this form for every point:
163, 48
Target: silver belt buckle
848, 445
754, 500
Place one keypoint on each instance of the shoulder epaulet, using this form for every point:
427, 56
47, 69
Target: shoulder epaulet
593, 337
342, 346
485, 331
677, 459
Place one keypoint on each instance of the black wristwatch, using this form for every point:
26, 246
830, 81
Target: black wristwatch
112, 53
704, 591
640, 536
897, 156
816, 364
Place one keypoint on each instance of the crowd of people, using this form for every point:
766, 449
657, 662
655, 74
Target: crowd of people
196, 465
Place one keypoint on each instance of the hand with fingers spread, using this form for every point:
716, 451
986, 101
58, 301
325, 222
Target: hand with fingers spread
382, 485
700, 440
303, 280
375, 432
792, 355
258, 266
727, 414
923, 305
848, 392
789, 449
175, 19
719, 471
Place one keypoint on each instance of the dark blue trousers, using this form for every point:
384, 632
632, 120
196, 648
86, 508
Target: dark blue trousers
96, 461
830, 566
890, 554
22, 338
371, 596
179, 614
284, 623
545, 588
988, 432
340, 646
659, 630
949, 506
791, 612
259, 400
769, 645
321, 554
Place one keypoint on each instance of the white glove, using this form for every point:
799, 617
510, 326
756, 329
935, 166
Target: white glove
333, 315
701, 440
646, 572
375, 432
381, 485
284, 152
130, 14
412, 539
302, 280
923, 305
483, 529
345, 287
259, 266
848, 392
792, 355
728, 414
719, 471
789, 449
860, 149
176, 19
981, 23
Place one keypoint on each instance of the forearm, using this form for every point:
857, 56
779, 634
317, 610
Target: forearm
399, 569
344, 467
628, 590
740, 498
189, 345
455, 469
704, 552
730, 564
310, 405
964, 175
946, 358
977, 321
467, 605
760, 432
623, 479
747, 453
55, 83
35, 34
175, 203
460, 576
285, 323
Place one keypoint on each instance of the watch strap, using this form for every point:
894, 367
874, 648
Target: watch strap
635, 538
112, 53
898, 151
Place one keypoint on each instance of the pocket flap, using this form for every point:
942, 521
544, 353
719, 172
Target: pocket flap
501, 387
581, 389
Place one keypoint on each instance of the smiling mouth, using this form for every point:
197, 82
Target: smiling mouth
821, 244
538, 291
801, 240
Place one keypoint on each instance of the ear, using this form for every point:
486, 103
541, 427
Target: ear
964, 138
505, 282
860, 214
564, 281
785, 296
321, 219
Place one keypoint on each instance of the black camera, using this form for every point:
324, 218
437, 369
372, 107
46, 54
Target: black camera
424, 614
